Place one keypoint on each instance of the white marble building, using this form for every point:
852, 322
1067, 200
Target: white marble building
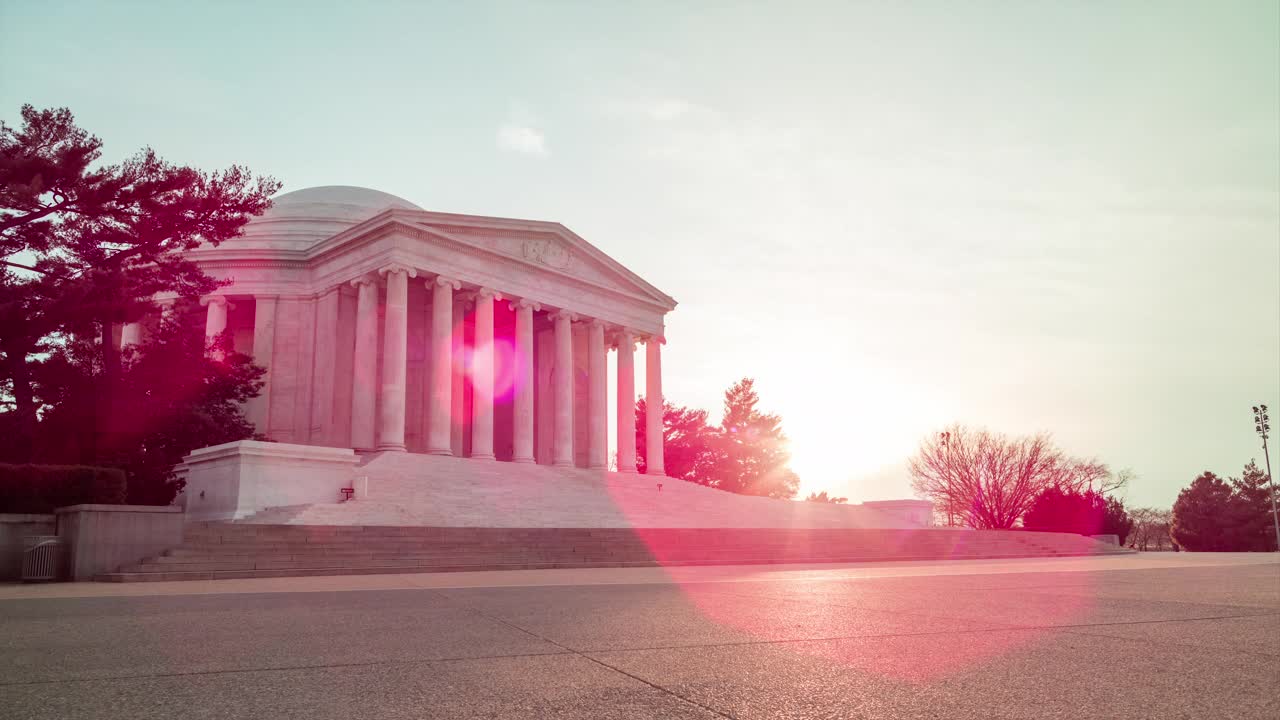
387, 327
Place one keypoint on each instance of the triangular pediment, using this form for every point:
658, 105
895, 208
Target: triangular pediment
555, 248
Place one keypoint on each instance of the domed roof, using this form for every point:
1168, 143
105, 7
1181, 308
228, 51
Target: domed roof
301, 218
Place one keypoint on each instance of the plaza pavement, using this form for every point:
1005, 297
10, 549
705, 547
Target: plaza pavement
1136, 636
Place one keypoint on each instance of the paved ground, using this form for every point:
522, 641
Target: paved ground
1167, 636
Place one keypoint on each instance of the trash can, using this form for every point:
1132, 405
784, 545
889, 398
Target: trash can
40, 558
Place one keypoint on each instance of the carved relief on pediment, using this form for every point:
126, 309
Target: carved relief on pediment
548, 252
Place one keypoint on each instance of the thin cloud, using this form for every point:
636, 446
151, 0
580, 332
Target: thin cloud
522, 139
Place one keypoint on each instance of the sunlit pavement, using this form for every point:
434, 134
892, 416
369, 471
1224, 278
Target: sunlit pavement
1152, 635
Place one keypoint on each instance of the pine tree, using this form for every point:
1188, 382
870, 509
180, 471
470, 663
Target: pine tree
1202, 515
754, 455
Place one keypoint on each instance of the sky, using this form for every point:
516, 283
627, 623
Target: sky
1059, 217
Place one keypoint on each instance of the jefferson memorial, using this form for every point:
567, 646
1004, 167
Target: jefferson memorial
427, 368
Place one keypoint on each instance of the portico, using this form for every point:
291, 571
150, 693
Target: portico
384, 327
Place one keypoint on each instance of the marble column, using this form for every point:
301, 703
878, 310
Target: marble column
458, 375
131, 334
522, 403
215, 322
597, 402
562, 384
441, 399
395, 357
264, 337
653, 406
482, 377
626, 401
364, 365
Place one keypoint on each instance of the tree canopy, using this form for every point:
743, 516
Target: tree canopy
84, 248
1085, 513
746, 454
1212, 514
987, 480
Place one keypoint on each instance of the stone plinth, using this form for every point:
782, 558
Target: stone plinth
101, 538
234, 480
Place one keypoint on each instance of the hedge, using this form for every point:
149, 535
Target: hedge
41, 488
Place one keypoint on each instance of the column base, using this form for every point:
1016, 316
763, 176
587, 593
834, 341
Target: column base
392, 448
627, 471
524, 461
446, 452
482, 457
563, 465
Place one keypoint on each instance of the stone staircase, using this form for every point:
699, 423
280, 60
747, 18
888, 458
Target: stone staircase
405, 489
247, 550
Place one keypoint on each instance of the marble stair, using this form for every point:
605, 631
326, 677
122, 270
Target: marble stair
422, 490
242, 550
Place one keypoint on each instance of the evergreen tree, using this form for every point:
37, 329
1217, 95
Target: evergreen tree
689, 447
1251, 511
84, 247
1202, 515
754, 455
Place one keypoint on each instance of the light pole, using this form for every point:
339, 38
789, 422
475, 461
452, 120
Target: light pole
1262, 424
944, 439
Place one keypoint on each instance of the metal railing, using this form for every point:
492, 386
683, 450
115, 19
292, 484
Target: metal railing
40, 558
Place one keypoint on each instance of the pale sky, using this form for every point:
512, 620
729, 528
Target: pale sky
1025, 216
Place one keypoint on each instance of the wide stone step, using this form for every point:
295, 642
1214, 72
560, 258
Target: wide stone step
142, 573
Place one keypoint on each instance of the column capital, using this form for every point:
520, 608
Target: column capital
443, 280
216, 300
653, 338
362, 280
521, 303
597, 323
566, 314
488, 292
622, 336
397, 267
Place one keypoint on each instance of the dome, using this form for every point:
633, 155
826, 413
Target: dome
304, 217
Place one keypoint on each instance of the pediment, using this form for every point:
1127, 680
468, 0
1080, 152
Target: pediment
544, 245
556, 249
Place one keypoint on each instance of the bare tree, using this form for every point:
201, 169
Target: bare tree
1150, 529
987, 480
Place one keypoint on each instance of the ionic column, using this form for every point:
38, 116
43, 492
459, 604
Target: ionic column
562, 380
522, 403
395, 356
215, 321
264, 337
626, 401
482, 377
653, 406
597, 403
364, 364
441, 399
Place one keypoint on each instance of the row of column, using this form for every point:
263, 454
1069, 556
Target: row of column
390, 421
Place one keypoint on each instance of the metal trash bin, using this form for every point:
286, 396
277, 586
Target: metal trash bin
40, 558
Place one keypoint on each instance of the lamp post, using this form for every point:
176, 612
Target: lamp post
1262, 424
944, 439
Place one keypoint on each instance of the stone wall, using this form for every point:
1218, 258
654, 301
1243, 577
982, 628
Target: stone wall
101, 538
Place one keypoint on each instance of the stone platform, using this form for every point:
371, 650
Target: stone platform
243, 550
404, 489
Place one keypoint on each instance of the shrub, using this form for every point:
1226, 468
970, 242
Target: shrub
41, 488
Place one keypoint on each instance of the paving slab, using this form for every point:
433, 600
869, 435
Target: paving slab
1134, 637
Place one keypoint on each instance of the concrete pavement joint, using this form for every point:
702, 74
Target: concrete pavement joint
585, 656
279, 668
